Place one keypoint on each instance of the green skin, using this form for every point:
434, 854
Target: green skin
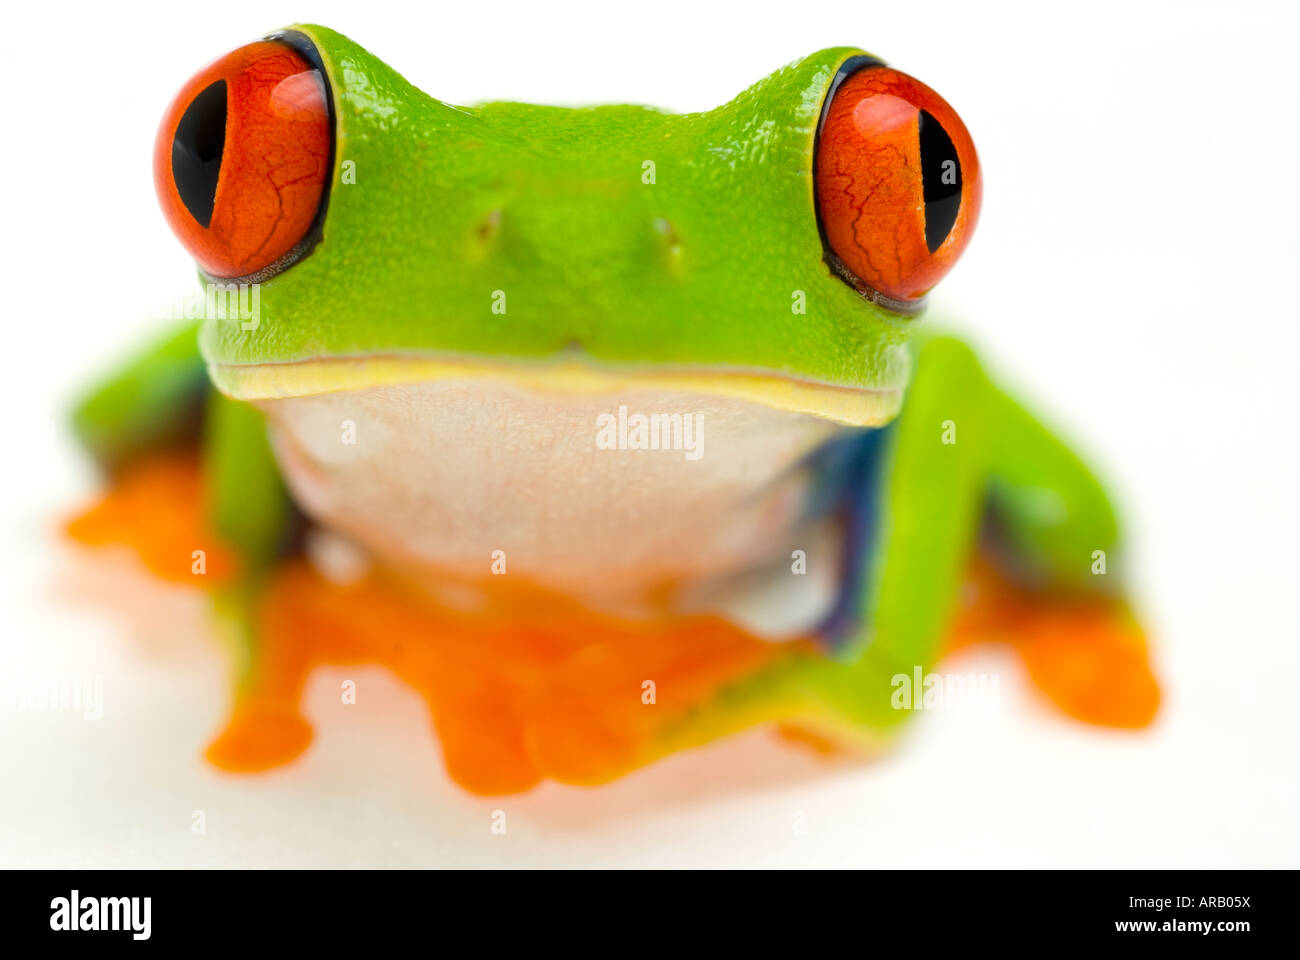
694, 272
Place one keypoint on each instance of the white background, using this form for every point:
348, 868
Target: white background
1133, 272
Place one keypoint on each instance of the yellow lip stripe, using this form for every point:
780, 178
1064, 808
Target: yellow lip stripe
846, 405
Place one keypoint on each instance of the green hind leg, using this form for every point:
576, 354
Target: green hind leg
963, 454
969, 459
1053, 535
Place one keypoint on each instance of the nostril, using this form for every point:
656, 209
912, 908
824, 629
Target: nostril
669, 233
489, 226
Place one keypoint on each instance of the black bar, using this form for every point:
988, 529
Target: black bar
910, 909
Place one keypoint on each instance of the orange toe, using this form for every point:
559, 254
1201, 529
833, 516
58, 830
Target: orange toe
260, 736
155, 507
1092, 662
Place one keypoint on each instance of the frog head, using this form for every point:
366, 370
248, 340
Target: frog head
777, 249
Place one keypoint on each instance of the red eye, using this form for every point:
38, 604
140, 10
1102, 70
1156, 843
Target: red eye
898, 182
242, 157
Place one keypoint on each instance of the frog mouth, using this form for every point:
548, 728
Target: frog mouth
848, 405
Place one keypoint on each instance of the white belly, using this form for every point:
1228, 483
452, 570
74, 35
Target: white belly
442, 475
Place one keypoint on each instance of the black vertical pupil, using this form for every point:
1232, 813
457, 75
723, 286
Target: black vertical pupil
196, 151
940, 181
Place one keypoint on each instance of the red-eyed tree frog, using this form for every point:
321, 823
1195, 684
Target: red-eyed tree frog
609, 430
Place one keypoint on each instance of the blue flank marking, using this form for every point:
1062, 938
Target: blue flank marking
848, 470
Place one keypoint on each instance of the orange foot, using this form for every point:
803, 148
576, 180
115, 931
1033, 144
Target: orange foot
1091, 661
1088, 655
156, 508
522, 691
259, 736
